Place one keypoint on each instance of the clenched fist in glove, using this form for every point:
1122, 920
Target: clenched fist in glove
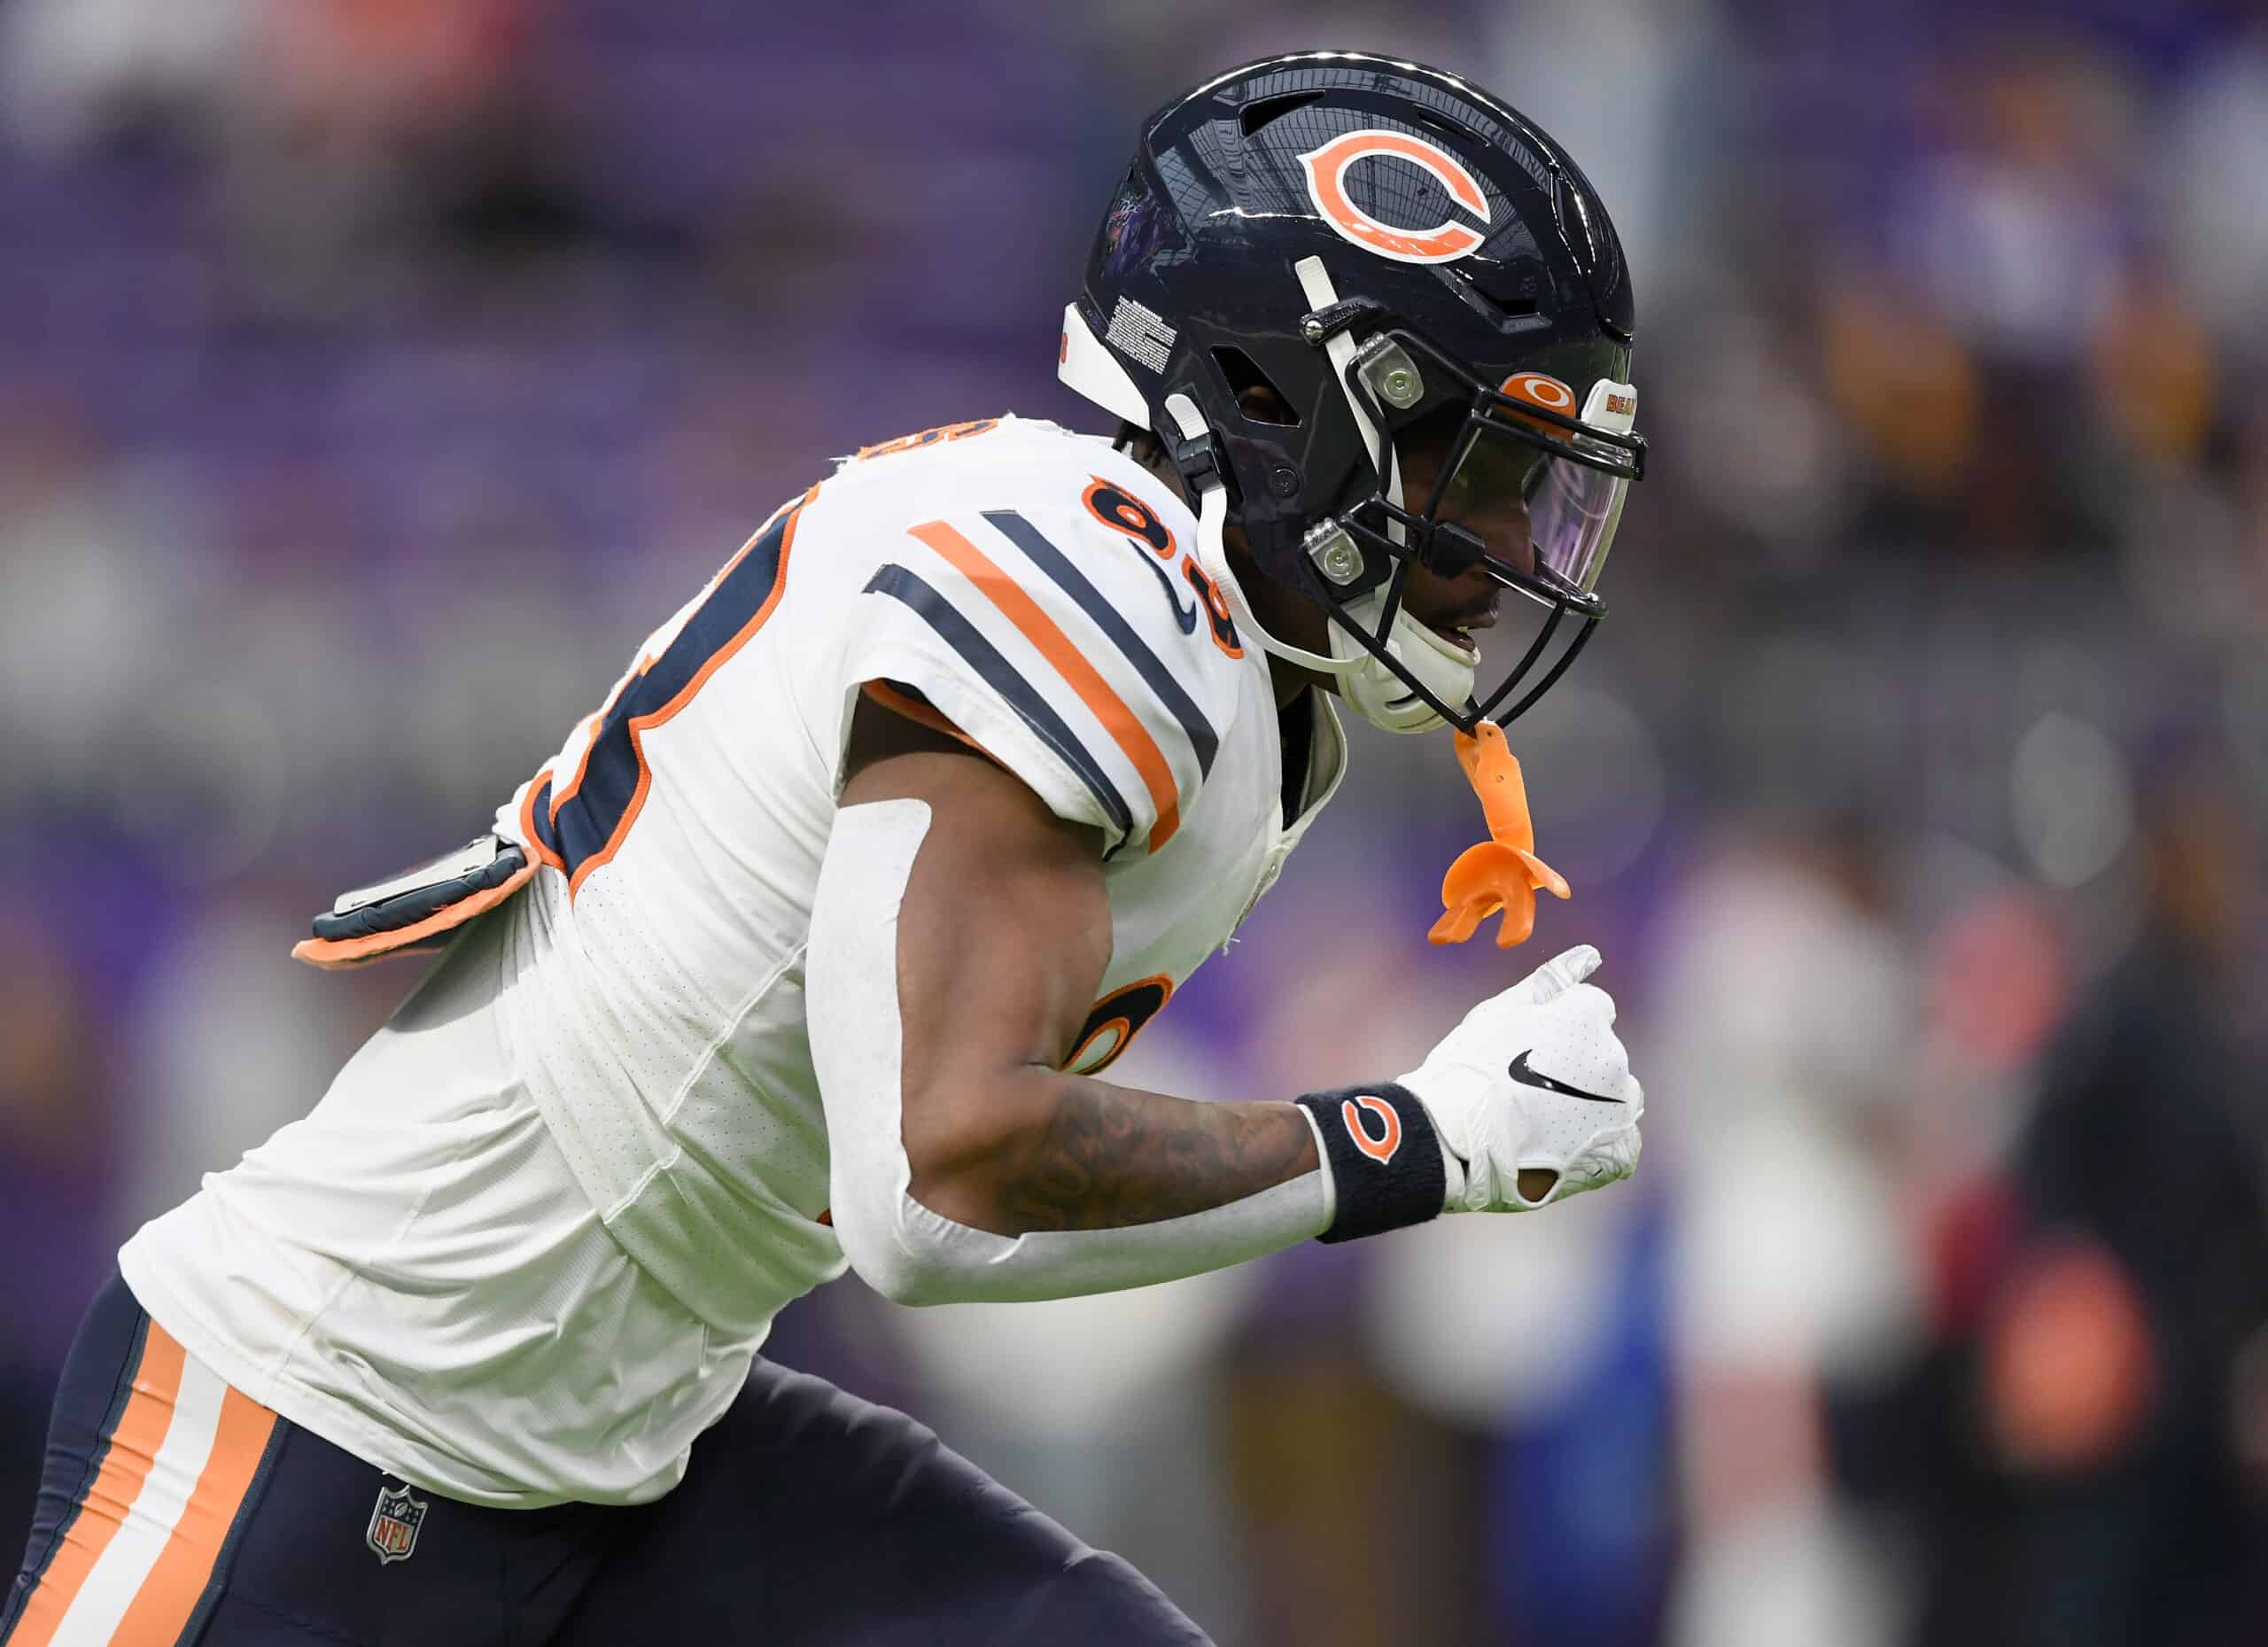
1534, 1081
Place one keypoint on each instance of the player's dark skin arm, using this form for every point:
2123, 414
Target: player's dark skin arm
1003, 940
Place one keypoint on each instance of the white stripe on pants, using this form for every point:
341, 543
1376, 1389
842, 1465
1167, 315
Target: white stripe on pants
119, 1572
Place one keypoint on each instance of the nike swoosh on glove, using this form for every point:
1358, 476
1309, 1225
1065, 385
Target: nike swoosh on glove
1534, 1079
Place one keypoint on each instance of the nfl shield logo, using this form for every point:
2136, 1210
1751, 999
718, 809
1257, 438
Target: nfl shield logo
394, 1523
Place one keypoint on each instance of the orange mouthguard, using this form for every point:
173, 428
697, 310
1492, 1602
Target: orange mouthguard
1501, 873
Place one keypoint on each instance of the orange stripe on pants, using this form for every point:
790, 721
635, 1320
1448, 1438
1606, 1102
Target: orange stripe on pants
134, 1442
1016, 604
169, 1594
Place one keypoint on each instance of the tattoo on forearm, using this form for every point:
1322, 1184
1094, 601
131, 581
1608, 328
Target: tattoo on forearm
1110, 1157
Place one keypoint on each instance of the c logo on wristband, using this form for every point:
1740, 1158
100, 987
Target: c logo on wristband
1380, 1149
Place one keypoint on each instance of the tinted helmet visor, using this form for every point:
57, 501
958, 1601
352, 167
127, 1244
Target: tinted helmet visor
1572, 510
1529, 488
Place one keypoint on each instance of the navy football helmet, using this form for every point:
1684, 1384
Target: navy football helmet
1382, 244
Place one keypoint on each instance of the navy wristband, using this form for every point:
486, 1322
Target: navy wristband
1384, 1156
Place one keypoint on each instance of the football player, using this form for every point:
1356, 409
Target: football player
809, 949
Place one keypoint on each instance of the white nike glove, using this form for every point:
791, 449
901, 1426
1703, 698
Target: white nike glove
1534, 1078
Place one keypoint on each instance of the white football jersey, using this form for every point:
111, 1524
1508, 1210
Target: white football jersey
525, 1247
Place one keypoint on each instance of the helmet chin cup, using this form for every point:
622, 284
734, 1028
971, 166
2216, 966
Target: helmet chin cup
1377, 693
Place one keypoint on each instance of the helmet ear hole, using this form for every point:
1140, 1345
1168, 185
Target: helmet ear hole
1256, 397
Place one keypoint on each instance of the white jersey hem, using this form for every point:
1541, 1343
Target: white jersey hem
320, 1415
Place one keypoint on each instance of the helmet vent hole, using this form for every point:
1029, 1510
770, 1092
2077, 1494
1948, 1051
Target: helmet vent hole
1507, 295
1257, 397
1269, 110
1440, 123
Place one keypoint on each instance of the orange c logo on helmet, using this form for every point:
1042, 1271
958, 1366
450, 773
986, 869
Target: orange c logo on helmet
1444, 242
1381, 1148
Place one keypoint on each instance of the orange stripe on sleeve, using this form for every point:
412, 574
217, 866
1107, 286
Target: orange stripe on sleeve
1016, 604
922, 715
162, 1606
591, 728
537, 853
563, 794
134, 1443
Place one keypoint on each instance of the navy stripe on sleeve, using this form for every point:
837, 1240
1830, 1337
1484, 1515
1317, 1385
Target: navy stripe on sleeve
958, 633
1112, 622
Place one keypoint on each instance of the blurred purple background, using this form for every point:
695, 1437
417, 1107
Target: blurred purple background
374, 373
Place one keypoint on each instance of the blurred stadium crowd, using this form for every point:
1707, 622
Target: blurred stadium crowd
374, 373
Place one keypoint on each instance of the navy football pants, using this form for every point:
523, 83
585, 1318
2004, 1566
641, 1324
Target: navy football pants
174, 1510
